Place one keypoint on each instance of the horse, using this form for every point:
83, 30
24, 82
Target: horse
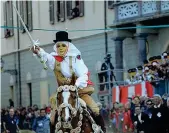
72, 114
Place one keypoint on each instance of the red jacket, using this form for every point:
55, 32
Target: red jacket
127, 121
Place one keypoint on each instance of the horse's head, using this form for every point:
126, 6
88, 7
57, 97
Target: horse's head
67, 102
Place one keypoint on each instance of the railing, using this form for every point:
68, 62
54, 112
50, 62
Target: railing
126, 10
106, 85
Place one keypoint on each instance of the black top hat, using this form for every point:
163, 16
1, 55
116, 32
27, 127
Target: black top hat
62, 36
108, 56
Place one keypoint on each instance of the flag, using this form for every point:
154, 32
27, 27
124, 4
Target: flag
116, 94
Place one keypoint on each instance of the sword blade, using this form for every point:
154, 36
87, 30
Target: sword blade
30, 37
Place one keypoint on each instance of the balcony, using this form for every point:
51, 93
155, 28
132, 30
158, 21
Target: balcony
128, 12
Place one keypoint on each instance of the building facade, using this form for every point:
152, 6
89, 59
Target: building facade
32, 83
128, 47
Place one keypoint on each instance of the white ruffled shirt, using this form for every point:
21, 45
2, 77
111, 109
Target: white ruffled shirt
78, 67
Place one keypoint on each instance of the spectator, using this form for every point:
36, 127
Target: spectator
135, 102
127, 125
75, 12
41, 123
11, 122
120, 118
48, 112
106, 66
159, 116
149, 105
22, 118
141, 121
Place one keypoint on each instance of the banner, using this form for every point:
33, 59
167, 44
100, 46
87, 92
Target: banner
121, 93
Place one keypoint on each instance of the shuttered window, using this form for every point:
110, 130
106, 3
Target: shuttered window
69, 9
8, 19
75, 9
26, 14
81, 8
51, 12
30, 24
62, 11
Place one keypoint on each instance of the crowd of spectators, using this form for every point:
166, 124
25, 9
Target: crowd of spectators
141, 115
154, 69
22, 119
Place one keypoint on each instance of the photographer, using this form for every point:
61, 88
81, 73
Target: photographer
106, 66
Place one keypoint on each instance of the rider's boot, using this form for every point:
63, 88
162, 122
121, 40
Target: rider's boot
99, 121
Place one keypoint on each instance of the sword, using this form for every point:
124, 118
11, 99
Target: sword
34, 43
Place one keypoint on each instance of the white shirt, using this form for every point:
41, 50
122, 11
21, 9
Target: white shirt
78, 67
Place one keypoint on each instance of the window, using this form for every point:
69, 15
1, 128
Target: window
26, 14
30, 93
8, 19
75, 9
57, 8
12, 92
60, 11
51, 12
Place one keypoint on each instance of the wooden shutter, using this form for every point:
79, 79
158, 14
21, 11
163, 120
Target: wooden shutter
21, 14
8, 18
11, 17
29, 16
51, 12
62, 11
5, 17
69, 9
81, 8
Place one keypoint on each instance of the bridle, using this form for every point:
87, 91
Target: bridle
78, 108
73, 111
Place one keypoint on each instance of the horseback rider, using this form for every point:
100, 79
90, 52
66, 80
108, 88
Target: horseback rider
67, 65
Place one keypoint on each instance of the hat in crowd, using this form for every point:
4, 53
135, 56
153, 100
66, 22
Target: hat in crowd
145, 62
132, 70
158, 58
62, 36
108, 56
151, 59
140, 68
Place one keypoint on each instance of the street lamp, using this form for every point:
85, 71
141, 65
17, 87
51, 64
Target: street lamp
11, 71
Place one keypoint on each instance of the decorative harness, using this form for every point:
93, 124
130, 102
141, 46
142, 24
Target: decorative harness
79, 107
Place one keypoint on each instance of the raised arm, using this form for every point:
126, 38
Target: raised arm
46, 56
